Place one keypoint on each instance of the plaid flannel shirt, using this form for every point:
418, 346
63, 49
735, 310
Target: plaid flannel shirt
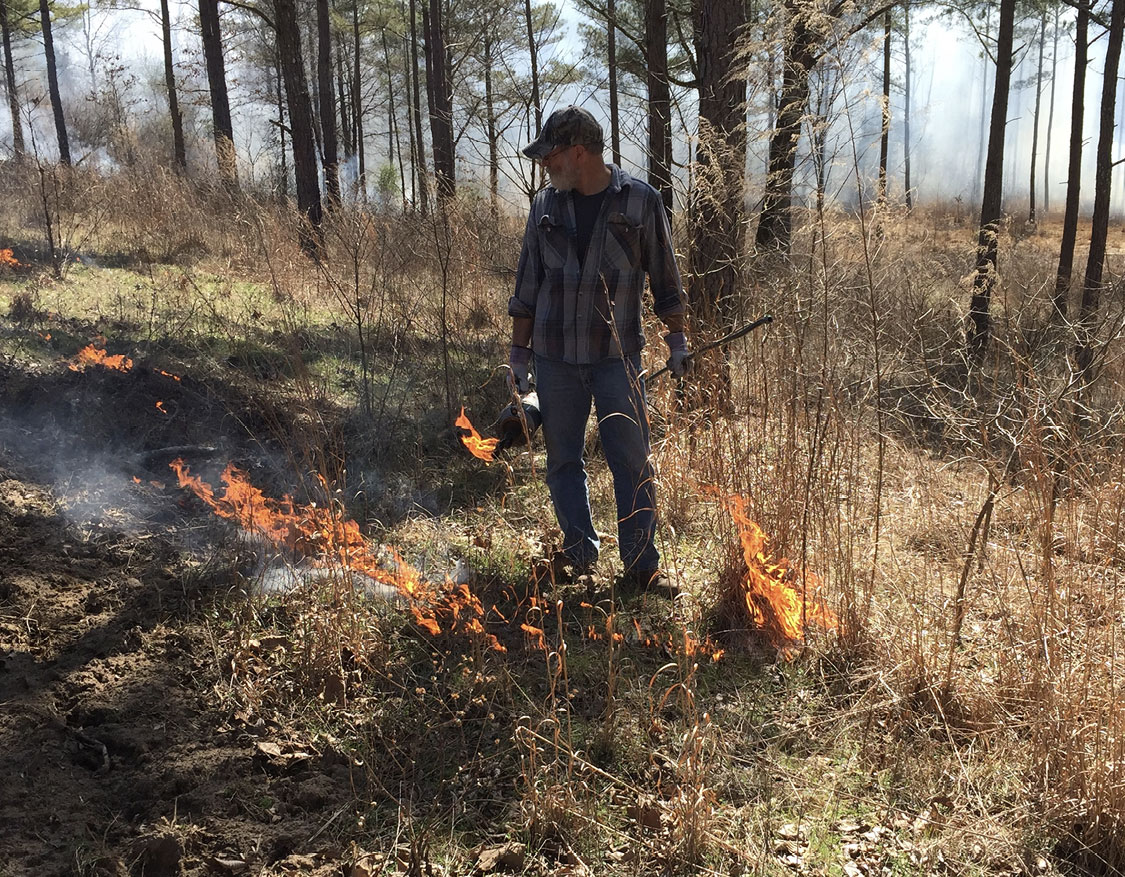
584, 312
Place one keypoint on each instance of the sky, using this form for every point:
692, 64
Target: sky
949, 101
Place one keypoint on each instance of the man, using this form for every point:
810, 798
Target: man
592, 236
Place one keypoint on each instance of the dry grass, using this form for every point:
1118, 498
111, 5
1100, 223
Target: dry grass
965, 716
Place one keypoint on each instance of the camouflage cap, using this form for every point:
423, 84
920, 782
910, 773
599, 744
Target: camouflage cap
570, 126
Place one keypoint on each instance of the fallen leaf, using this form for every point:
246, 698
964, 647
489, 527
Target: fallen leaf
334, 689
644, 812
298, 862
272, 643
847, 825
230, 866
507, 857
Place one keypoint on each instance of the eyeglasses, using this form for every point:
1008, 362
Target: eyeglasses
556, 151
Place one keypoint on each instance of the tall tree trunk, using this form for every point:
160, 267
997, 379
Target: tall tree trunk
1035, 113
536, 103
885, 134
390, 100
406, 84
327, 104
490, 127
300, 123
1099, 231
1050, 117
283, 182
441, 105
987, 242
342, 92
53, 82
614, 120
357, 106
1074, 167
392, 117
716, 209
1118, 169
423, 182
981, 140
818, 151
533, 50
179, 149
217, 84
907, 91
775, 223
659, 100
307, 15
429, 71
10, 81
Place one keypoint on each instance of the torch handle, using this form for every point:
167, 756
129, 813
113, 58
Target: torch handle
726, 339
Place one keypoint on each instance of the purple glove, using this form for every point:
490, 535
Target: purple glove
679, 363
519, 360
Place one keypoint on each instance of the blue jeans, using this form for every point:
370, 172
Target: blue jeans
617, 389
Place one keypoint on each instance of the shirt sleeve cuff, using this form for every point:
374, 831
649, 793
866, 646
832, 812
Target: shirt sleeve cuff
517, 308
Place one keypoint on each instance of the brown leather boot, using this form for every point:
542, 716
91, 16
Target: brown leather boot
651, 581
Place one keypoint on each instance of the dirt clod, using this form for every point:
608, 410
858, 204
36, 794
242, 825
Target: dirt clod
159, 856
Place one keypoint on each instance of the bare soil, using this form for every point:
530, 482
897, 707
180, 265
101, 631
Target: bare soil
117, 755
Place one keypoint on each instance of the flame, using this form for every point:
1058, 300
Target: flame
161, 371
481, 448
774, 604
160, 407
6, 258
91, 355
327, 538
538, 639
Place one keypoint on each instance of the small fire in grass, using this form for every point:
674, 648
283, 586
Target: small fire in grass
8, 260
160, 407
91, 354
773, 595
481, 448
326, 539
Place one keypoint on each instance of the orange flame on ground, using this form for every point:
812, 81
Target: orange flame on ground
6, 258
160, 407
161, 371
775, 605
681, 641
481, 448
538, 639
325, 537
91, 355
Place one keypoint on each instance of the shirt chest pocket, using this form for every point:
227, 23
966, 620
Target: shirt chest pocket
554, 243
622, 243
